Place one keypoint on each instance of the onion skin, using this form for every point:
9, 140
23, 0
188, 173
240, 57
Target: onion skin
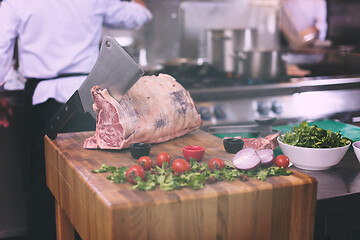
266, 157
246, 159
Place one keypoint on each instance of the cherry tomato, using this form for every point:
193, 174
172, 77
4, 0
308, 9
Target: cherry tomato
180, 165
216, 163
163, 157
282, 161
133, 171
145, 162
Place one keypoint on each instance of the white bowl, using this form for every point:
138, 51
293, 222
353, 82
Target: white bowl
313, 158
356, 146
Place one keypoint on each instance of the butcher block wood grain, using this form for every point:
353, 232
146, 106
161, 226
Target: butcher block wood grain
282, 207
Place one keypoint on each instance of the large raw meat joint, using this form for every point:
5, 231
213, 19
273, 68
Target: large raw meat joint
156, 109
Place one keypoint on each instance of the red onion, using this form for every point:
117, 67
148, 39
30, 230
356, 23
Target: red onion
266, 157
246, 159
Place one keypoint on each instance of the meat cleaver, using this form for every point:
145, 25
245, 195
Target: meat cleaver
114, 70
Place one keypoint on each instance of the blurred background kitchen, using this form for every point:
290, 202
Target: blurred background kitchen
251, 59
241, 60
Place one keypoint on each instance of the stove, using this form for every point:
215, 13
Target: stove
212, 79
225, 99
230, 100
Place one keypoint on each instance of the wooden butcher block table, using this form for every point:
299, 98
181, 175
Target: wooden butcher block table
282, 207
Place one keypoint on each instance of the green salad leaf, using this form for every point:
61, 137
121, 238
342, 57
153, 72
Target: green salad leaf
308, 136
199, 175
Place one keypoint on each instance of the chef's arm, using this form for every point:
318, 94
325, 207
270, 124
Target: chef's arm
319, 29
8, 25
126, 15
320, 22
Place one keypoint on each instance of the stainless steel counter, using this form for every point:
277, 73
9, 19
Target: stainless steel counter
341, 180
338, 198
338, 190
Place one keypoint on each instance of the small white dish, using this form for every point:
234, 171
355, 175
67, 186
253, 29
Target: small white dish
356, 146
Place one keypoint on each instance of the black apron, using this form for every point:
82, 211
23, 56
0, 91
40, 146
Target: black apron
29, 122
40, 202
31, 84
29, 90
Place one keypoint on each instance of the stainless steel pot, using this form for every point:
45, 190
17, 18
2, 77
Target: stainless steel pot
259, 64
245, 39
222, 43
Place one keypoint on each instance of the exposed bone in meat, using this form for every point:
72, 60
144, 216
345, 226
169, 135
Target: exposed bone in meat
156, 109
269, 142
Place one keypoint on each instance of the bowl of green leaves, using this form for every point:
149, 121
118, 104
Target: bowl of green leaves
313, 148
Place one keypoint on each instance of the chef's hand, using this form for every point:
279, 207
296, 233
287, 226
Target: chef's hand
309, 35
295, 71
141, 2
5, 112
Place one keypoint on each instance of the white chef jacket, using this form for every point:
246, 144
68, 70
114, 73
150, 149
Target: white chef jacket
307, 13
60, 36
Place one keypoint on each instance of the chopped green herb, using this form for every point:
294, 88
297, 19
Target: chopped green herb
199, 175
104, 169
263, 173
313, 137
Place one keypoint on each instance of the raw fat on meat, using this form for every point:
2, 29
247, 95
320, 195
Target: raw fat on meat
156, 109
269, 142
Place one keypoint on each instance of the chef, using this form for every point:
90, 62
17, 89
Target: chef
304, 18
58, 44
303, 23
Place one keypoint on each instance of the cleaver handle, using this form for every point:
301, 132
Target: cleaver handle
63, 115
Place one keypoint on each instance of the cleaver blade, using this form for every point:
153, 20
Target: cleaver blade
114, 70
